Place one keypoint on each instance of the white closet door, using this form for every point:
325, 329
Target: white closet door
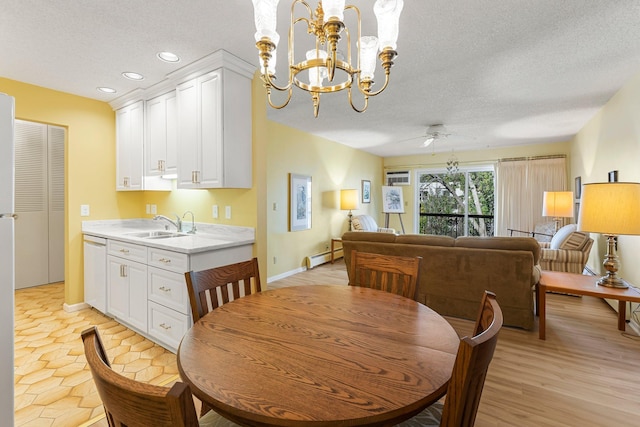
39, 195
56, 136
32, 225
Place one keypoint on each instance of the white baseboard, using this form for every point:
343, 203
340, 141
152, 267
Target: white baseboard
286, 274
70, 308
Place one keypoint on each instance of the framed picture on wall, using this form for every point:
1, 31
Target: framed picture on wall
366, 191
392, 200
300, 202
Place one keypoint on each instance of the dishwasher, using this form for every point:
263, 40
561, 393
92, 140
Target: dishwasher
95, 272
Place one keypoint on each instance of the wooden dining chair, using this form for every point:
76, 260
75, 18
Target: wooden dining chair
395, 274
469, 372
130, 403
209, 289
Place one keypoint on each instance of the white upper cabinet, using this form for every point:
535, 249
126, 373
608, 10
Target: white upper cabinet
129, 147
214, 131
161, 135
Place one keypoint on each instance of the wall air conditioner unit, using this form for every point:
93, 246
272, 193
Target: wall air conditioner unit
398, 178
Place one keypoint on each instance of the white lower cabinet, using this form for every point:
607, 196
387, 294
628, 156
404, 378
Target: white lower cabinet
127, 285
147, 291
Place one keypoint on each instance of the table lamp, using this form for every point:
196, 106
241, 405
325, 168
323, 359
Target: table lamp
612, 209
557, 204
349, 201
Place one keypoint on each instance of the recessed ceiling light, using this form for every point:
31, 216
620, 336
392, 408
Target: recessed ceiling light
132, 76
168, 57
106, 90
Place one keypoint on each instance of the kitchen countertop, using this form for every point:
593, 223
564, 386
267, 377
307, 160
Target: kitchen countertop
208, 237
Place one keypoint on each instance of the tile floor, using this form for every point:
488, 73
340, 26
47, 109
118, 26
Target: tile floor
53, 384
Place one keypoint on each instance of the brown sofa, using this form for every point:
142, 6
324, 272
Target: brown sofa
455, 272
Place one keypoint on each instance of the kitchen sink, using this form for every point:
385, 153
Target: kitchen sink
156, 234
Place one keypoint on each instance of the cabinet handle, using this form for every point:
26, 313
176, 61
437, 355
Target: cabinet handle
165, 326
161, 165
125, 251
164, 260
195, 177
163, 289
123, 270
125, 181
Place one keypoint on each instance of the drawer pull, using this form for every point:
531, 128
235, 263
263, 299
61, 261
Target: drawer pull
165, 260
163, 289
124, 251
165, 326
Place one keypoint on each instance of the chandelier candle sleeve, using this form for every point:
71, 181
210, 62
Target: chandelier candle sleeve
326, 24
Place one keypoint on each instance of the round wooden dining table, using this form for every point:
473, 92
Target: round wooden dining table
319, 355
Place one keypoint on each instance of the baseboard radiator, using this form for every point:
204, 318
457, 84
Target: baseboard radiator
323, 257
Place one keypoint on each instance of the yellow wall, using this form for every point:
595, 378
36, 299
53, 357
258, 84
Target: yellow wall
332, 167
611, 141
465, 158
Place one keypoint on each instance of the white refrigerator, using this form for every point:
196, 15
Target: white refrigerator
7, 257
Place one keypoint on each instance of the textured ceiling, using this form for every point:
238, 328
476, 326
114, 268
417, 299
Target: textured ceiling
494, 72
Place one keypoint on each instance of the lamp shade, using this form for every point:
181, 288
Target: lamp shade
611, 208
558, 204
388, 15
348, 199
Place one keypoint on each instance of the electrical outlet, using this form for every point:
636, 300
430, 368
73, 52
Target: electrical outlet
275, 260
84, 210
214, 211
227, 212
154, 209
148, 208
275, 206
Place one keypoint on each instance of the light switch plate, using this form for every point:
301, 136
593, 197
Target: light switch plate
154, 209
227, 212
214, 211
84, 210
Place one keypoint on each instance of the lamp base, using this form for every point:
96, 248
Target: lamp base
612, 282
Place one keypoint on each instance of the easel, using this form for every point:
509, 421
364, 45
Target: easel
386, 220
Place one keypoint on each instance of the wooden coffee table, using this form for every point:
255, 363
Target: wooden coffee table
580, 284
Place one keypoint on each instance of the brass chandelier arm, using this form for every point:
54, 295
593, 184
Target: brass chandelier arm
286, 102
356, 109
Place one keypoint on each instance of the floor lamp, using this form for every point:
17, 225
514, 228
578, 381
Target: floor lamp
348, 202
612, 209
557, 204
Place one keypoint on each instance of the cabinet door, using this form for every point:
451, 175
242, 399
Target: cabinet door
137, 275
210, 88
129, 147
188, 134
118, 289
160, 137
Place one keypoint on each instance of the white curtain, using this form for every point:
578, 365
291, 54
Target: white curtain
520, 184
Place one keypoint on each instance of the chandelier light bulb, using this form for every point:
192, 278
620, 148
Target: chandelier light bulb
368, 46
333, 9
388, 15
266, 17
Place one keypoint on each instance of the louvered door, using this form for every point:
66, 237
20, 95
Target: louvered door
39, 200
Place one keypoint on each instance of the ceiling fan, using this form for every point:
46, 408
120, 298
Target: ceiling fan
434, 132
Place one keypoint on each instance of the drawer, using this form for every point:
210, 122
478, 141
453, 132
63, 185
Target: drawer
127, 251
169, 289
167, 325
172, 261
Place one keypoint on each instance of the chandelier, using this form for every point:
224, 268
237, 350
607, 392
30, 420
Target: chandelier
327, 61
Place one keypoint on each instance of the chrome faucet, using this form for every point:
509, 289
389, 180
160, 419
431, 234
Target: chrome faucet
193, 222
177, 223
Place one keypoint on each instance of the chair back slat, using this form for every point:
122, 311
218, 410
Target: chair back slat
212, 288
471, 366
130, 403
395, 274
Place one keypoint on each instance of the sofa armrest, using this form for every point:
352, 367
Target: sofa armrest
563, 256
545, 245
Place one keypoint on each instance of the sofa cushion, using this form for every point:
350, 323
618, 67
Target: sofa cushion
425, 239
364, 223
562, 235
507, 243
369, 236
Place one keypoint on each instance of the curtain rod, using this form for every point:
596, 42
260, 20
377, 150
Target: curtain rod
519, 159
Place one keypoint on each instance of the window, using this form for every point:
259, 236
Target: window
457, 203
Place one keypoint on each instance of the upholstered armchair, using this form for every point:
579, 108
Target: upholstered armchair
568, 251
367, 223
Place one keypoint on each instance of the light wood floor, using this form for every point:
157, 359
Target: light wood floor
587, 373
